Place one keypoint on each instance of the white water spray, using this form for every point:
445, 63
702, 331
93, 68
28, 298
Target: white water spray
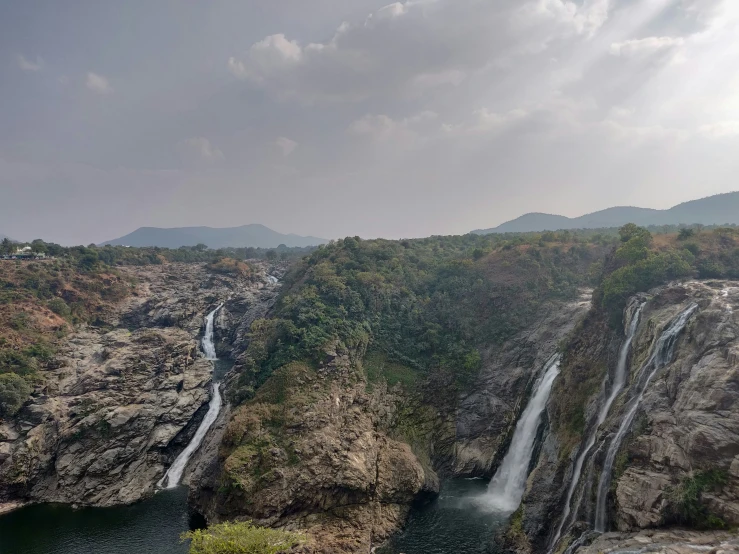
619, 380
507, 487
661, 356
174, 475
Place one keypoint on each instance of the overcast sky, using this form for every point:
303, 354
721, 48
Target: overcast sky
338, 117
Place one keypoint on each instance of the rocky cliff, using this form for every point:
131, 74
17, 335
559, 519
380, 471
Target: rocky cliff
121, 399
677, 463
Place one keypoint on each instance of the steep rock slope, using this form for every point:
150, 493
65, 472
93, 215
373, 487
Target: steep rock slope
486, 417
677, 462
119, 400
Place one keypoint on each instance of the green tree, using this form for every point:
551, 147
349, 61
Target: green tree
6, 247
38, 246
685, 233
14, 391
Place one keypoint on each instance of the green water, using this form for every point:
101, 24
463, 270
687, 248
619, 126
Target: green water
149, 527
452, 524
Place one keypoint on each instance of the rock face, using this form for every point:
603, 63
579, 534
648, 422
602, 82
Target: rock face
116, 406
663, 542
684, 438
313, 451
486, 418
104, 428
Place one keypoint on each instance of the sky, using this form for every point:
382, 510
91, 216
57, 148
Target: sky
333, 118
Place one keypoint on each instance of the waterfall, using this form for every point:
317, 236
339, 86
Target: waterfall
209, 347
619, 380
174, 475
507, 487
661, 356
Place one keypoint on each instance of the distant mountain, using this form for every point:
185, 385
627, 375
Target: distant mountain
713, 210
237, 237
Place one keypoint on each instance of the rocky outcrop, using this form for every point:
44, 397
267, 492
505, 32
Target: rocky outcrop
677, 464
663, 542
121, 400
313, 450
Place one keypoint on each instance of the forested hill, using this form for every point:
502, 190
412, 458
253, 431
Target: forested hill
256, 236
426, 304
721, 209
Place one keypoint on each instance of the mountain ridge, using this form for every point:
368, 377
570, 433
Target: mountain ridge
718, 209
254, 235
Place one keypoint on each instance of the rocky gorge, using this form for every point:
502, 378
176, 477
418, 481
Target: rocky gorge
639, 431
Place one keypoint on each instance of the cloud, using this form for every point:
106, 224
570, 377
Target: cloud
287, 146
645, 46
28, 65
721, 129
408, 131
98, 83
405, 49
201, 149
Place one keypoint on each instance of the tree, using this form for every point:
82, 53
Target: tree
686, 233
38, 246
271, 255
6, 247
631, 231
14, 391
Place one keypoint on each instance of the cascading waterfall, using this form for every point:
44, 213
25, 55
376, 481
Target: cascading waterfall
619, 380
209, 347
662, 355
507, 487
174, 475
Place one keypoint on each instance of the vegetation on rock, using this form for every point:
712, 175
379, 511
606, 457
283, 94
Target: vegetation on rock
241, 538
687, 505
428, 305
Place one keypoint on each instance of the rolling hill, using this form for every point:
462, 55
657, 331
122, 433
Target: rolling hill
254, 235
713, 210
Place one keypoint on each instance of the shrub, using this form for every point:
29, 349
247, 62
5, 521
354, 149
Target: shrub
59, 307
686, 505
241, 538
14, 391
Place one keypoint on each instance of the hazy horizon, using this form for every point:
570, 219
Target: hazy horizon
329, 119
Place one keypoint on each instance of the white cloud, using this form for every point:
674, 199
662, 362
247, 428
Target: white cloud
202, 149
645, 46
28, 65
287, 146
98, 83
721, 129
